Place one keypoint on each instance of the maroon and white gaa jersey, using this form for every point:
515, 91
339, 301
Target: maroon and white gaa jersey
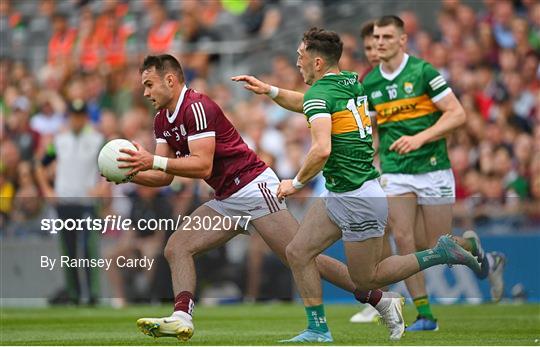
197, 116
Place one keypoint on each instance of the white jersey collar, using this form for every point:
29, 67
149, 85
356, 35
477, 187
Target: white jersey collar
172, 117
400, 68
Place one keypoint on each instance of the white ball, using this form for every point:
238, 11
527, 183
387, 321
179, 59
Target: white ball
108, 163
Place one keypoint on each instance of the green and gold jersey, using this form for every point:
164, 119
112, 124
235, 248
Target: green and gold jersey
341, 98
404, 102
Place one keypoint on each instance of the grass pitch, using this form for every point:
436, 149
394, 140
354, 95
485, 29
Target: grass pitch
264, 325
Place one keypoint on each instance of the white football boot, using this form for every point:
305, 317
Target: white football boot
179, 325
368, 315
391, 310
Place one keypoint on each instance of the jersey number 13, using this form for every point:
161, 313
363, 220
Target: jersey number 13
360, 112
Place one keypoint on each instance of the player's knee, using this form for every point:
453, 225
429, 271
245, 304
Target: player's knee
294, 254
405, 241
365, 281
175, 250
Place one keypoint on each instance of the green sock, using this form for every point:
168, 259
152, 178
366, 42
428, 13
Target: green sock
423, 308
316, 318
474, 246
428, 258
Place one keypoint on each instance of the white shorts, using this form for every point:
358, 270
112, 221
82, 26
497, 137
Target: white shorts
257, 199
360, 214
431, 188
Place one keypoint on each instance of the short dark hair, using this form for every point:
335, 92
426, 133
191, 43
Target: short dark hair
163, 63
367, 29
327, 43
390, 20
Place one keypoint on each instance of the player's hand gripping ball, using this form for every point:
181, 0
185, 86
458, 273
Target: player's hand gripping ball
108, 163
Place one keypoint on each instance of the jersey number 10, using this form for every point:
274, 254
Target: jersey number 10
360, 112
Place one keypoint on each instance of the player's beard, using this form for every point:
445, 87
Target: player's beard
308, 78
164, 100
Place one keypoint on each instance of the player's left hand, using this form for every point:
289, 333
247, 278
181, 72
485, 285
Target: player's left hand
139, 160
406, 144
253, 84
285, 189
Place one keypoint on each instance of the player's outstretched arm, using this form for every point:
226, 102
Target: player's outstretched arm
453, 116
288, 99
156, 178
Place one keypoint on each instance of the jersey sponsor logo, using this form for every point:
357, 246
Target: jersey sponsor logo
404, 109
376, 94
408, 87
200, 116
437, 82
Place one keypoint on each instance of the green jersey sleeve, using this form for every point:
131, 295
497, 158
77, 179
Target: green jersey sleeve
437, 86
315, 106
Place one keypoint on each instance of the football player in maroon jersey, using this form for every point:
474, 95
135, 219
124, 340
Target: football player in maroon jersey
194, 139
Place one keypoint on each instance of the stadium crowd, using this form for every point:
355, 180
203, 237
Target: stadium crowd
91, 50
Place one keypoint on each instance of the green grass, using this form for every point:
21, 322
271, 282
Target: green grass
265, 325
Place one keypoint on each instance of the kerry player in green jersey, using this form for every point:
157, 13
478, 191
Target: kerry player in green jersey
354, 206
415, 109
368, 314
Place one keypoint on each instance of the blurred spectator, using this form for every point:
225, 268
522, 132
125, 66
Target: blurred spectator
147, 204
115, 37
74, 153
7, 193
502, 23
193, 36
534, 20
504, 168
28, 209
162, 32
261, 18
87, 48
412, 29
18, 128
50, 117
62, 41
